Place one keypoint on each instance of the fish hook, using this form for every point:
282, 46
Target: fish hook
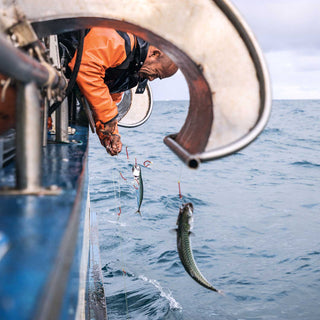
122, 176
147, 163
127, 153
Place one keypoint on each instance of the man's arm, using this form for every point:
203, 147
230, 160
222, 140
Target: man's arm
103, 48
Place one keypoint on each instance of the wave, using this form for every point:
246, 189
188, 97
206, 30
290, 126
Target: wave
272, 131
167, 294
306, 164
137, 297
168, 256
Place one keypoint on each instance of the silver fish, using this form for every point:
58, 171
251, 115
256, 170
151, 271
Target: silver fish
136, 171
184, 222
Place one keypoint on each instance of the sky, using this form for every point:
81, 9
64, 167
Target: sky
288, 32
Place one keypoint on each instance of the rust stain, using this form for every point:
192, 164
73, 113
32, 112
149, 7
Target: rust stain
7, 107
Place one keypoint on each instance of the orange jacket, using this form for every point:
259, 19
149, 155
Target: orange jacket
102, 49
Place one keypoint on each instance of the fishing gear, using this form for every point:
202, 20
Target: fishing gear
125, 179
147, 163
119, 213
179, 186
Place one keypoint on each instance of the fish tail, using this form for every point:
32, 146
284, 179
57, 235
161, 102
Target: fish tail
221, 293
138, 211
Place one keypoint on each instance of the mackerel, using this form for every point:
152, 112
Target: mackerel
184, 222
136, 171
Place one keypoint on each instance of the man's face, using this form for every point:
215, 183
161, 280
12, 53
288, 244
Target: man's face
156, 66
151, 69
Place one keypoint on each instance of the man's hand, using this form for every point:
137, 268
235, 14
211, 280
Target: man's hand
113, 144
110, 140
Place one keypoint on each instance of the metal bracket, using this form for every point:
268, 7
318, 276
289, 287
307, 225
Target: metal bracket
22, 33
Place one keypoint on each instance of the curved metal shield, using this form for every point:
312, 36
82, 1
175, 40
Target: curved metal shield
228, 82
135, 108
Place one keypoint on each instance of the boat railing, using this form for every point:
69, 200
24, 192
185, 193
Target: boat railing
36, 82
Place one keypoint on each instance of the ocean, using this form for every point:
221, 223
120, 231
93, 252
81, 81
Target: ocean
256, 222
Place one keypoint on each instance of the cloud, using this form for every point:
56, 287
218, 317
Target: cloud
283, 24
288, 32
294, 76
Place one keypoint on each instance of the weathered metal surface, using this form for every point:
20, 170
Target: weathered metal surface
29, 138
95, 298
18, 65
62, 119
208, 40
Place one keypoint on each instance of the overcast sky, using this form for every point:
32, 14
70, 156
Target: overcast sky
288, 32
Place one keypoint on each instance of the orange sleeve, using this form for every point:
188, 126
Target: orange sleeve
116, 97
103, 48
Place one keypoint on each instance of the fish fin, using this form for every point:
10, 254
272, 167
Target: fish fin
138, 211
192, 234
173, 231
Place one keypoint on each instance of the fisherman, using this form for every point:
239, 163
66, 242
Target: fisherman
113, 62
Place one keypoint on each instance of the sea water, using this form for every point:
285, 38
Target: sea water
256, 222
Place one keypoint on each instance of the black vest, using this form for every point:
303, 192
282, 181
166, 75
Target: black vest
125, 76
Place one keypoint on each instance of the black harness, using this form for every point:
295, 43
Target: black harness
125, 76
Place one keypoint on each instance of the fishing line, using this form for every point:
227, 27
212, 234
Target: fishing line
122, 260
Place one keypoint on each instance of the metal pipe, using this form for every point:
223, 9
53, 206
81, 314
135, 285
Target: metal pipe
16, 64
191, 160
45, 122
62, 122
28, 138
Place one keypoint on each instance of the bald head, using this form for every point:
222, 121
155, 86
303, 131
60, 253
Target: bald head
157, 65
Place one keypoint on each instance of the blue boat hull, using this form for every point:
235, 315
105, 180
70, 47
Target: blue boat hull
44, 274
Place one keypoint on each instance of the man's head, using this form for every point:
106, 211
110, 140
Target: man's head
157, 65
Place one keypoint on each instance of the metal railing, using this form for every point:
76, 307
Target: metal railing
31, 118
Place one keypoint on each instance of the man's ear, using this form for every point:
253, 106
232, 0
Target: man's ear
154, 52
